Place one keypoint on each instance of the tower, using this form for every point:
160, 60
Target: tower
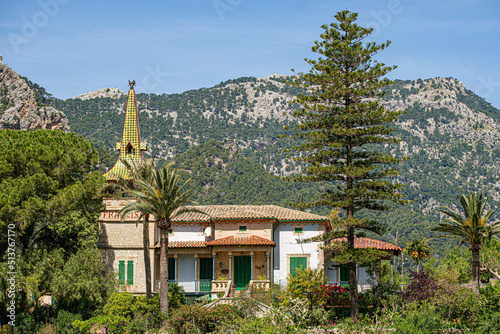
130, 146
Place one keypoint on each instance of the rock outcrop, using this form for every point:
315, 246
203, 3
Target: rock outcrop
19, 108
112, 92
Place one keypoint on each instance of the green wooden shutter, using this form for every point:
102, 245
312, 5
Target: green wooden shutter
297, 262
206, 270
344, 273
130, 272
121, 272
171, 269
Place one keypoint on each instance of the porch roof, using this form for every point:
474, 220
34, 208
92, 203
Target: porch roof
187, 244
371, 243
239, 241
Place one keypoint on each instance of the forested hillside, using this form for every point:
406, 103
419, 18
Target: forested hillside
449, 134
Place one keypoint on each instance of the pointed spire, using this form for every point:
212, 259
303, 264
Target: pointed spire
131, 146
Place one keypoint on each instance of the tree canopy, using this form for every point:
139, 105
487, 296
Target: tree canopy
48, 193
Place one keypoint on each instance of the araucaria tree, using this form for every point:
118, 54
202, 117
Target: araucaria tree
341, 128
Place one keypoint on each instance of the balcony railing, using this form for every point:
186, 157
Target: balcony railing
219, 286
199, 285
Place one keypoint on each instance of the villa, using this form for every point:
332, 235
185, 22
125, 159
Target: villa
220, 247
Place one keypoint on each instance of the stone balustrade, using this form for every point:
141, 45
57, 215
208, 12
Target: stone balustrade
219, 286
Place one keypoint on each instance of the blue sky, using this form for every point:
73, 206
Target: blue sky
72, 47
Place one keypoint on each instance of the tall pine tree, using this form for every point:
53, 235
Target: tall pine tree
341, 129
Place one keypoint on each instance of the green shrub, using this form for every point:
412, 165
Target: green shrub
115, 324
257, 325
176, 296
120, 303
64, 322
492, 295
306, 284
126, 313
421, 321
457, 304
26, 323
490, 325
195, 318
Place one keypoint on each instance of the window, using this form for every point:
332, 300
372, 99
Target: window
243, 228
130, 272
296, 263
170, 231
121, 272
298, 230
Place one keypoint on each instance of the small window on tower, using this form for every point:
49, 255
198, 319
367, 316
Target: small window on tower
243, 228
129, 148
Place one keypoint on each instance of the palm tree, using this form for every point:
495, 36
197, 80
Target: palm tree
124, 184
418, 250
472, 229
162, 196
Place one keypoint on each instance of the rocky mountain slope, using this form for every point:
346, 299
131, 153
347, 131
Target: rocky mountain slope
21, 107
449, 133
112, 92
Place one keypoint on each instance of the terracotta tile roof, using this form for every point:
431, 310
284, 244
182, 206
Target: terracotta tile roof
186, 244
226, 212
370, 243
248, 241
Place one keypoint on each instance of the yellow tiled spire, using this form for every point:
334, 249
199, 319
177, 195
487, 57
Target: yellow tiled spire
131, 146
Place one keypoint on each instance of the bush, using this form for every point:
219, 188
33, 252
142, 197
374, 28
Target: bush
176, 296
366, 325
331, 294
381, 296
25, 323
126, 313
457, 304
120, 303
492, 295
114, 324
64, 322
490, 325
257, 325
421, 287
193, 318
306, 284
421, 321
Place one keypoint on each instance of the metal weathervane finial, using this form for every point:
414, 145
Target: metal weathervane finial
131, 84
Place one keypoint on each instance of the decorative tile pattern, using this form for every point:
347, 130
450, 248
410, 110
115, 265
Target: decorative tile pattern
131, 146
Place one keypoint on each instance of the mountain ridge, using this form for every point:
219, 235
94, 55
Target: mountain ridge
449, 132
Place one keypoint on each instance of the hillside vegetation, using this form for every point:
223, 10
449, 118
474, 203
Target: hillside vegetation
449, 133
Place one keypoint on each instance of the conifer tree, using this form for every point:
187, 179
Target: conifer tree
340, 133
